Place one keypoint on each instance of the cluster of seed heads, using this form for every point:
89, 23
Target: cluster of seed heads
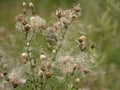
50, 62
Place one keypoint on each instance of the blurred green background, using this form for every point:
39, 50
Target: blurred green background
103, 15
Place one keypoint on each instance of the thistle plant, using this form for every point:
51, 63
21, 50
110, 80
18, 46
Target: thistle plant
62, 64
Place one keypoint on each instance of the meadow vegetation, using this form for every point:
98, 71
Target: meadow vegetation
59, 45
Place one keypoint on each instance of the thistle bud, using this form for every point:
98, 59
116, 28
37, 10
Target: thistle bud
25, 55
27, 27
75, 66
54, 51
77, 80
31, 5
43, 57
92, 45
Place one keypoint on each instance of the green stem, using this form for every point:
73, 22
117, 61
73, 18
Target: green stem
30, 59
60, 83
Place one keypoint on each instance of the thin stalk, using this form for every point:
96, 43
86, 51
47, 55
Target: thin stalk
60, 83
59, 47
32, 71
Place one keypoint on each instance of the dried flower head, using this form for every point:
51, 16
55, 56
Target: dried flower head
37, 23
58, 13
15, 77
81, 39
48, 74
77, 8
27, 27
75, 66
92, 45
19, 18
